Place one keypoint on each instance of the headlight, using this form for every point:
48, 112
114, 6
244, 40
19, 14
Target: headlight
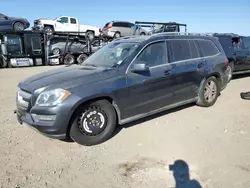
52, 98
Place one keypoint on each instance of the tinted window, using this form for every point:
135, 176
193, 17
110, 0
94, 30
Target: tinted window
64, 20
73, 20
246, 41
154, 54
180, 50
225, 41
120, 24
207, 48
194, 49
36, 45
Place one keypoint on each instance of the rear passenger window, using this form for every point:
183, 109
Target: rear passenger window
120, 24
207, 48
194, 49
72, 20
180, 50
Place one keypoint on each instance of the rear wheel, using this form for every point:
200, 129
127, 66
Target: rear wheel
69, 59
18, 26
90, 35
93, 123
117, 35
209, 92
81, 58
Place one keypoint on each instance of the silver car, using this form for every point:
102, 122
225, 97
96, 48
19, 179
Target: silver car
116, 29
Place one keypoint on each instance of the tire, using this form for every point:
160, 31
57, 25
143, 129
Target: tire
56, 51
81, 58
49, 30
117, 35
9, 65
69, 59
203, 100
18, 26
231, 64
142, 33
90, 35
4, 63
82, 134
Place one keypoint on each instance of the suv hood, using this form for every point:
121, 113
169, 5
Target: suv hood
66, 77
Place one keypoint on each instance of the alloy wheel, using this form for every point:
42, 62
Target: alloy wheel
210, 91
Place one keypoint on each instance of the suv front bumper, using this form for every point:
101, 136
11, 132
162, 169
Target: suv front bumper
52, 122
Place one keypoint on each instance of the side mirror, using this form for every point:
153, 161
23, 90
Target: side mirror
6, 17
140, 67
59, 20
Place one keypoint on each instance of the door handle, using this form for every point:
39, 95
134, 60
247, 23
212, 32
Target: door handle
167, 72
200, 65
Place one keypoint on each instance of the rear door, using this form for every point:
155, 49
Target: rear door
122, 27
73, 26
184, 59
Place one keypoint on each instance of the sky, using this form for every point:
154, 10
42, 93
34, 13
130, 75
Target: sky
226, 16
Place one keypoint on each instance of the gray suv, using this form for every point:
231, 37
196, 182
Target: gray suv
126, 80
117, 29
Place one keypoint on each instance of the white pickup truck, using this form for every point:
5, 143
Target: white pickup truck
64, 24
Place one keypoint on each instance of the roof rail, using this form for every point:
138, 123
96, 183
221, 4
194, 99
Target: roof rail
181, 33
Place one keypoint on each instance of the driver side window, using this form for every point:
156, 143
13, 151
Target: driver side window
64, 19
154, 54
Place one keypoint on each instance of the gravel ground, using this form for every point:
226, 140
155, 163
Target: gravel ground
214, 142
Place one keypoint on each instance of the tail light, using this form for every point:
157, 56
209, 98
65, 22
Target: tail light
108, 27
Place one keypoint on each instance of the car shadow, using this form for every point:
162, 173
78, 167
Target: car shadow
181, 175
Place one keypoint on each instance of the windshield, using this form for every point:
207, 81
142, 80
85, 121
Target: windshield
111, 54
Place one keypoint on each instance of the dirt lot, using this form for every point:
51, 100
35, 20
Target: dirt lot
214, 142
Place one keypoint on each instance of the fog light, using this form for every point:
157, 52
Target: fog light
44, 117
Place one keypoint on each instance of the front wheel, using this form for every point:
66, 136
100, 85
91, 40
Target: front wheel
209, 92
93, 123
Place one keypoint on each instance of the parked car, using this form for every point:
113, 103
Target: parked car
65, 23
21, 49
237, 49
117, 29
125, 80
13, 23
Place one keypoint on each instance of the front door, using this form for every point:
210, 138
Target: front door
62, 24
152, 89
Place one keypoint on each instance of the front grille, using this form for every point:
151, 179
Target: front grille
23, 100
